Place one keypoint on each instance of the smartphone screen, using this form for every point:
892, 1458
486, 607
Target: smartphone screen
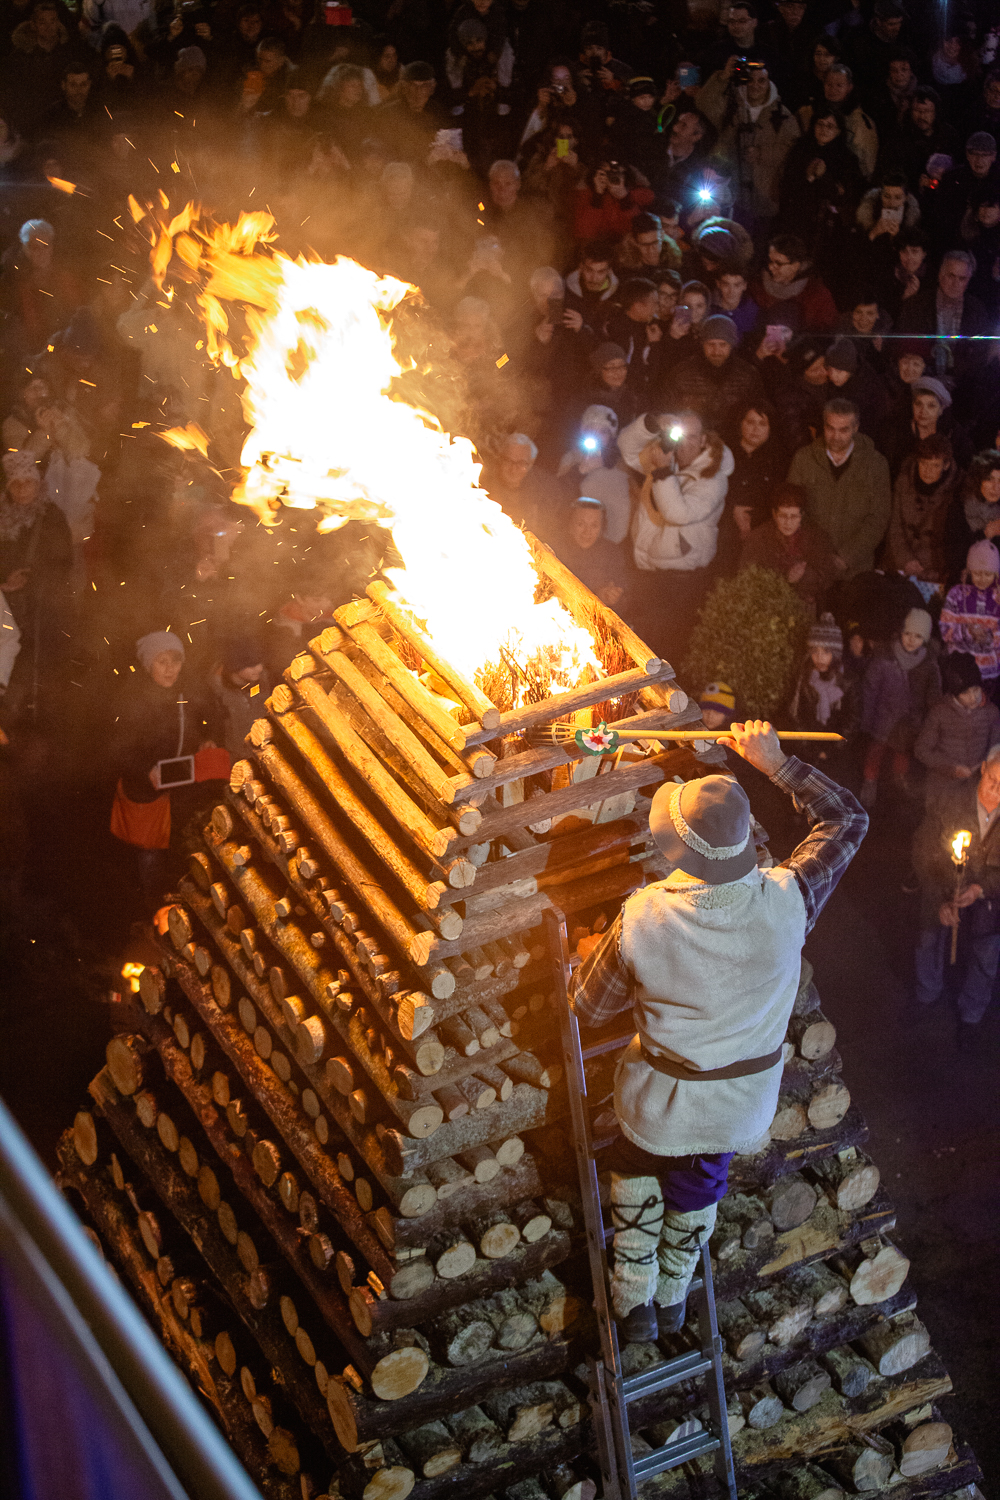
179, 772
562, 146
556, 309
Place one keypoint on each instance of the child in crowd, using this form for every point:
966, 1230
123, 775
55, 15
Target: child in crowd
823, 698
970, 620
718, 706
959, 730
901, 687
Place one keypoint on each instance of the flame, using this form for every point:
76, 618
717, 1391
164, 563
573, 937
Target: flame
959, 845
326, 433
62, 184
131, 972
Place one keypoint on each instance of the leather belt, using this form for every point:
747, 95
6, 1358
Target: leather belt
743, 1069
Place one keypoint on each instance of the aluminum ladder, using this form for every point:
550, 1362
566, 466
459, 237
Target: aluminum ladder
612, 1392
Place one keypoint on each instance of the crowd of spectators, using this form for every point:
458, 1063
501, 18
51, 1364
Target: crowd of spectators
707, 287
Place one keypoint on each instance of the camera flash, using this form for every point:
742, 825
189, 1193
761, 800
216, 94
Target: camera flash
705, 194
676, 433
590, 444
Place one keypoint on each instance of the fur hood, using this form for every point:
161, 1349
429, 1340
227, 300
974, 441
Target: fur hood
870, 207
573, 285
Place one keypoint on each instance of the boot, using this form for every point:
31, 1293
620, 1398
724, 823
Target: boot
640, 1326
637, 1214
671, 1319
681, 1239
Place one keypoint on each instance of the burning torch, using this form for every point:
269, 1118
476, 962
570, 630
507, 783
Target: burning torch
959, 856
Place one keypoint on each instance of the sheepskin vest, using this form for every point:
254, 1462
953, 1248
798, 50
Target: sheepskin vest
716, 969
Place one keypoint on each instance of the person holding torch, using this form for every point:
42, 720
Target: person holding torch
956, 853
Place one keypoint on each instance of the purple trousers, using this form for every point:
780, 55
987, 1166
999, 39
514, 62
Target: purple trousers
688, 1182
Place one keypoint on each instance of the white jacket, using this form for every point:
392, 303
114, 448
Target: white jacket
716, 970
676, 522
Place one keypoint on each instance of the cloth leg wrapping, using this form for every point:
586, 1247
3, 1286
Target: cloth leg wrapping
681, 1239
637, 1214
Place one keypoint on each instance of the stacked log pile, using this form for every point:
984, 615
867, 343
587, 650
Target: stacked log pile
328, 1152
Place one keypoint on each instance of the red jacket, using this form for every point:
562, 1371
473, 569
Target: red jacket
609, 219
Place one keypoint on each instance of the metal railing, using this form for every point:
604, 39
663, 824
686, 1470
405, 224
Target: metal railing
151, 1410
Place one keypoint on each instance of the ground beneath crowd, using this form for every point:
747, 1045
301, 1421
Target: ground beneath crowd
935, 1125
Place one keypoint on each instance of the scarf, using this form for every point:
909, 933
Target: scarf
828, 695
782, 293
17, 518
908, 659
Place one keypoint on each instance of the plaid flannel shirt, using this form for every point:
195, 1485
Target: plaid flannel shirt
602, 986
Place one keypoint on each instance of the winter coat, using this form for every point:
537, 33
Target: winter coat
590, 304
970, 621
154, 724
719, 396
870, 209
918, 316
838, 187
895, 702
766, 547
979, 512
853, 510
919, 521
859, 128
756, 148
932, 859
807, 302
955, 736
605, 217
676, 522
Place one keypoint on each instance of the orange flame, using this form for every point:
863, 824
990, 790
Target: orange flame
131, 972
325, 433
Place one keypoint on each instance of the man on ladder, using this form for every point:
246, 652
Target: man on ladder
709, 961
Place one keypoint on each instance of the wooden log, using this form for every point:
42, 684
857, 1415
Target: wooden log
453, 1103
584, 606
828, 1106
461, 1036
849, 1180
402, 738
481, 1440
423, 703
560, 705
761, 1407
790, 1120
125, 1057
897, 1344
85, 1137
828, 1293
356, 1419
424, 892
403, 621
510, 1151
790, 1201
744, 1339
400, 1373
813, 1035
521, 1413
801, 1385
863, 1463
783, 1312
431, 1449
809, 1482
554, 1307
851, 1375
566, 1484
743, 1222
530, 1219
924, 1449
875, 1271
496, 1079
464, 1337
525, 1067
391, 1482
448, 1177
479, 1095
494, 1233
481, 1162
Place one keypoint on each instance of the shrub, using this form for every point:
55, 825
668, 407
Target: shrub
751, 633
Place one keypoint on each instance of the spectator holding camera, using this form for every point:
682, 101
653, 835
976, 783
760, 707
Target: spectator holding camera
756, 132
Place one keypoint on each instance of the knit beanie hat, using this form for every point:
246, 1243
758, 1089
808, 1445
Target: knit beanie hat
720, 696
981, 140
960, 672
148, 647
718, 326
828, 634
18, 463
918, 622
842, 355
604, 354
983, 557
242, 651
703, 828
934, 388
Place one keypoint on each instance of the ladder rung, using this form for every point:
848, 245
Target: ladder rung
671, 1372
671, 1455
610, 1044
